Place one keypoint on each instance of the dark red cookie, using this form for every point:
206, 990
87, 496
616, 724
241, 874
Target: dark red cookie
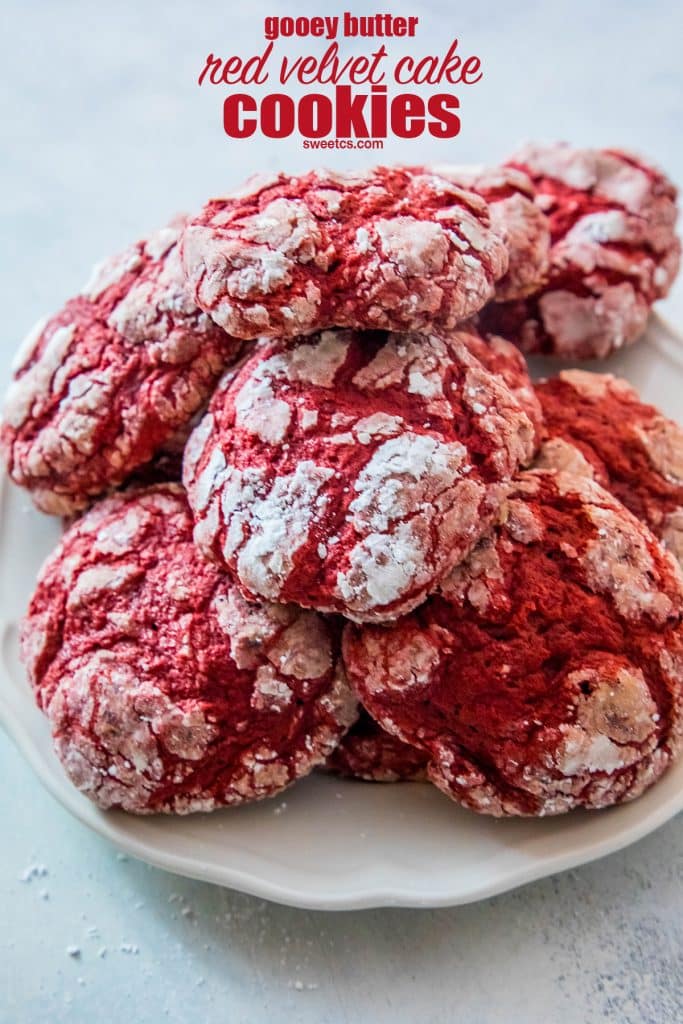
370, 753
107, 382
547, 674
635, 451
614, 252
515, 217
387, 248
166, 690
349, 472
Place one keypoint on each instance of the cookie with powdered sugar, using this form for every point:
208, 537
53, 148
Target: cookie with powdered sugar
547, 673
370, 753
614, 252
165, 690
107, 383
388, 248
349, 472
630, 446
502, 358
519, 221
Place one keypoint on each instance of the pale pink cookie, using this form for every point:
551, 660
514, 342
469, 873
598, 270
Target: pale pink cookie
166, 691
515, 217
634, 450
548, 672
105, 384
388, 248
370, 753
614, 251
349, 472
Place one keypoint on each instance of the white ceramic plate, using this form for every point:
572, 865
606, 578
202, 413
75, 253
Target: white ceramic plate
330, 843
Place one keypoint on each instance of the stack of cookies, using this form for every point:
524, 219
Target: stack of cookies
322, 517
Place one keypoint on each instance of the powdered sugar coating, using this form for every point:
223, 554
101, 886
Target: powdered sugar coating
167, 691
614, 251
515, 217
372, 754
364, 508
388, 248
633, 450
107, 382
548, 672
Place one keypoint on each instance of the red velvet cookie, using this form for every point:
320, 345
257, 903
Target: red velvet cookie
502, 358
167, 464
104, 384
635, 451
515, 217
388, 248
614, 252
372, 754
349, 472
166, 690
548, 672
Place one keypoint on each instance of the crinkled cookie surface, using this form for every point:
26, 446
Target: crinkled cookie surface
614, 252
165, 690
388, 248
631, 448
547, 673
104, 384
349, 472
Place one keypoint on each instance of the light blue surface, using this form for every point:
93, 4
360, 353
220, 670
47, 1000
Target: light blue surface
105, 134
